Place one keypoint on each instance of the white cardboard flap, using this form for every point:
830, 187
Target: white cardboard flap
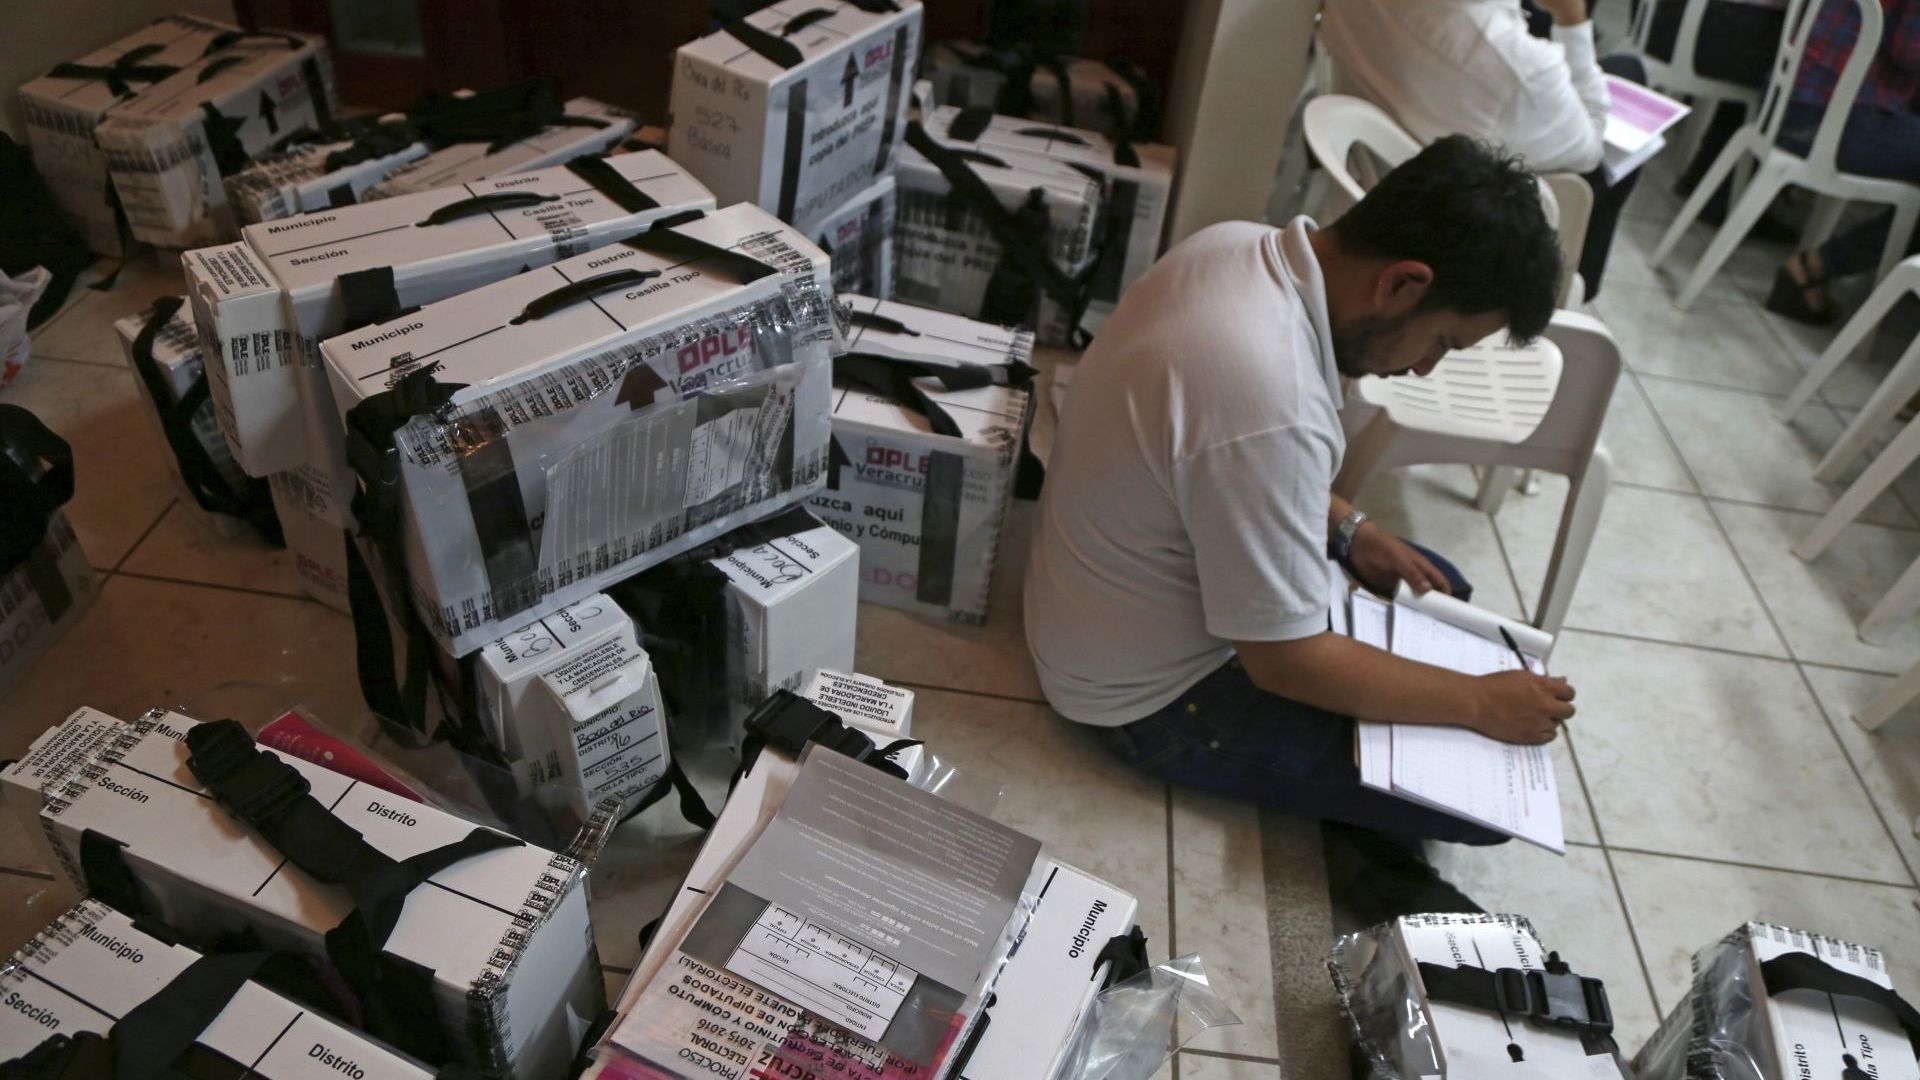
182, 40
815, 38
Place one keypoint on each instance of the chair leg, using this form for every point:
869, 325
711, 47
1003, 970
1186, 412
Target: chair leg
1578, 522
1893, 393
1717, 173
1888, 467
1499, 480
1898, 695
1821, 223
1740, 221
1847, 340
1896, 607
1905, 215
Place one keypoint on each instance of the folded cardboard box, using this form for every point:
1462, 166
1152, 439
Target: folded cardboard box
1136, 181
859, 238
170, 149
93, 966
163, 340
921, 476
947, 256
264, 304
323, 174
42, 598
504, 933
586, 127
63, 106
601, 415
796, 108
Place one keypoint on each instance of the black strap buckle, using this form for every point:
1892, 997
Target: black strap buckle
258, 787
1556, 997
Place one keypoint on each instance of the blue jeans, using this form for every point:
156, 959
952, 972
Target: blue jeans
1875, 142
1225, 736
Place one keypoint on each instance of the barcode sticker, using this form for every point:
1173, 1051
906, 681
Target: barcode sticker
717, 457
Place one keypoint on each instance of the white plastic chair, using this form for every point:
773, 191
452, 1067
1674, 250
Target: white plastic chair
1678, 77
1895, 696
1491, 405
1894, 391
1779, 168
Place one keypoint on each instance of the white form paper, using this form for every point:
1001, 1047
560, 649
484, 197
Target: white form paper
1637, 119
1337, 590
1505, 787
1369, 625
823, 972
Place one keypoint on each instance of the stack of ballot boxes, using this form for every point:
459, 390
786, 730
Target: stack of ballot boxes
930, 412
995, 234
263, 305
796, 109
63, 107
594, 417
1461, 997
170, 148
327, 170
488, 961
757, 610
1770, 1001
69, 990
1108, 99
1136, 181
583, 127
859, 238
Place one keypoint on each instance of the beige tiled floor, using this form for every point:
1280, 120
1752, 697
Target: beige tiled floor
1714, 773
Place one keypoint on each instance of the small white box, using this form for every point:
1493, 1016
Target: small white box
63, 107
1136, 185
506, 668
945, 255
1814, 1034
92, 966
318, 546
320, 176
1044, 994
859, 239
177, 358
505, 933
883, 712
613, 410
594, 724
601, 127
169, 148
797, 108
42, 598
254, 377
927, 509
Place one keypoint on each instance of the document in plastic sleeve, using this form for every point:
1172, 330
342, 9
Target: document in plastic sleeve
822, 971
309, 179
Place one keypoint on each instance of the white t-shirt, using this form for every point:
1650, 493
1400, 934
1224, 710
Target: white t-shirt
1186, 500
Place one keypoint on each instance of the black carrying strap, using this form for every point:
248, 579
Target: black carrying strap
1805, 971
663, 239
898, 380
498, 118
104, 871
273, 798
1552, 996
218, 66
607, 181
787, 722
484, 204
692, 807
373, 141
231, 38
1123, 125
126, 68
153, 1039
970, 123
1126, 952
211, 489
223, 139
36, 479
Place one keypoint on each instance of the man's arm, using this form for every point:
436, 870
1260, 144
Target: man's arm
1383, 560
1568, 114
1355, 679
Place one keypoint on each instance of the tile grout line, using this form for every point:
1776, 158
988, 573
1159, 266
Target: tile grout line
142, 538
248, 590
1766, 608
1228, 1055
1657, 489
1720, 649
1738, 864
1173, 935
76, 360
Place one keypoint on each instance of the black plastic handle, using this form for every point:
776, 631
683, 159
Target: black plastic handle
1056, 134
568, 295
805, 19
219, 66
977, 156
484, 204
873, 320
234, 37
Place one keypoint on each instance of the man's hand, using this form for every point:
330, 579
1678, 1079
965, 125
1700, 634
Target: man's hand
1382, 561
1521, 707
1564, 12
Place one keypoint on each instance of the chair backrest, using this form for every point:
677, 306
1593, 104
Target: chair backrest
1801, 17
1569, 204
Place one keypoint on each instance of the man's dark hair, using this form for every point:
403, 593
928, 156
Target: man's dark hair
1473, 214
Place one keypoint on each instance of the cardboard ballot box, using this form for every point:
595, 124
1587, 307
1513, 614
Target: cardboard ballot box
572, 701
859, 239
504, 933
946, 255
587, 127
93, 966
170, 148
601, 415
755, 611
1136, 182
797, 108
318, 545
322, 174
1788, 1003
1462, 997
966, 75
63, 106
42, 597
173, 350
263, 304
921, 476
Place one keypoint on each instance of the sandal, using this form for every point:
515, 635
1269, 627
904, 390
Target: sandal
1789, 297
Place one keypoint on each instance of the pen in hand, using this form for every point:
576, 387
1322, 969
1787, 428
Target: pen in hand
1525, 665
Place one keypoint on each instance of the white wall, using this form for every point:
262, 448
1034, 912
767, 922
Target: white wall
37, 34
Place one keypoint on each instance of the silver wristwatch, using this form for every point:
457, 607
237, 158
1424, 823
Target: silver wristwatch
1343, 533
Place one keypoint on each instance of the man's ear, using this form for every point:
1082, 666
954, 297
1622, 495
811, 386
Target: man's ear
1401, 287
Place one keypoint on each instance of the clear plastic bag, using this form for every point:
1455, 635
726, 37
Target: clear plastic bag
1136, 1025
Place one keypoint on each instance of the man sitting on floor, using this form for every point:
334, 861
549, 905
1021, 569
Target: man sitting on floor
1177, 589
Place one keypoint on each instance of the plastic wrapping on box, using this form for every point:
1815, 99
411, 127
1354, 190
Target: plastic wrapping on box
1136, 1025
322, 170
17, 297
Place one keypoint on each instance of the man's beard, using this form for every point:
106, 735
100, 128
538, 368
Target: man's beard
1356, 344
